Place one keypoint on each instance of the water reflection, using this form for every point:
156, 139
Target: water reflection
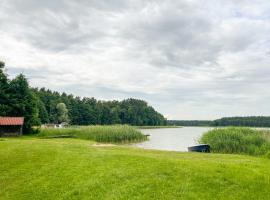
172, 139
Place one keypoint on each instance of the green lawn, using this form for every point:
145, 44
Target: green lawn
34, 168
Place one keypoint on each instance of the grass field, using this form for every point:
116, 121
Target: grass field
106, 134
238, 140
33, 168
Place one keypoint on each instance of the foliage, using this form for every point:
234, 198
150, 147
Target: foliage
87, 111
4, 94
17, 99
23, 102
37, 106
253, 121
42, 112
237, 140
62, 113
190, 122
111, 134
75, 169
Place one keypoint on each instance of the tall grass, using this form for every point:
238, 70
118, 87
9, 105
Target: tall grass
157, 127
106, 134
238, 140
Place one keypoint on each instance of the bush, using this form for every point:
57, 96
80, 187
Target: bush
109, 134
237, 140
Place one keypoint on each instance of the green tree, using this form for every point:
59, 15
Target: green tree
62, 113
85, 111
23, 102
42, 112
4, 93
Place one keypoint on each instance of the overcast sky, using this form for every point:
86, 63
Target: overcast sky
191, 59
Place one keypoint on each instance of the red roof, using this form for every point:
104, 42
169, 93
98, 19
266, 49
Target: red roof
11, 121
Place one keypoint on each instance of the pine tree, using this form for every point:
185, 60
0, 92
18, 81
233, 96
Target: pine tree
4, 94
23, 102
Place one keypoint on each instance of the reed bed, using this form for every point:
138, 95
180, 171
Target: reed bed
157, 127
106, 134
237, 140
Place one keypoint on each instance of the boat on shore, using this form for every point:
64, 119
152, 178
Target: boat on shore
200, 148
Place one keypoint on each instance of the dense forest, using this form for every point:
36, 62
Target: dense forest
252, 121
40, 106
85, 111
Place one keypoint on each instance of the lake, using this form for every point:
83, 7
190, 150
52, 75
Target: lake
172, 139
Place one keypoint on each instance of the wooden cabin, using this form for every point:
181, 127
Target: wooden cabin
11, 126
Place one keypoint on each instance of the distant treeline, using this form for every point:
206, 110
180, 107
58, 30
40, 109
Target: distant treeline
252, 121
86, 111
39, 106
189, 122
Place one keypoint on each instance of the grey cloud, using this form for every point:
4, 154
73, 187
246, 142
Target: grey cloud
174, 54
59, 25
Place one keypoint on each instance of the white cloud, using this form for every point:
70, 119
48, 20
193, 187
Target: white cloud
189, 59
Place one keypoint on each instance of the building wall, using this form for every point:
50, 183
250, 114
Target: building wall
10, 131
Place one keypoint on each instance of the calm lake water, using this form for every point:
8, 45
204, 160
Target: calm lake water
172, 139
